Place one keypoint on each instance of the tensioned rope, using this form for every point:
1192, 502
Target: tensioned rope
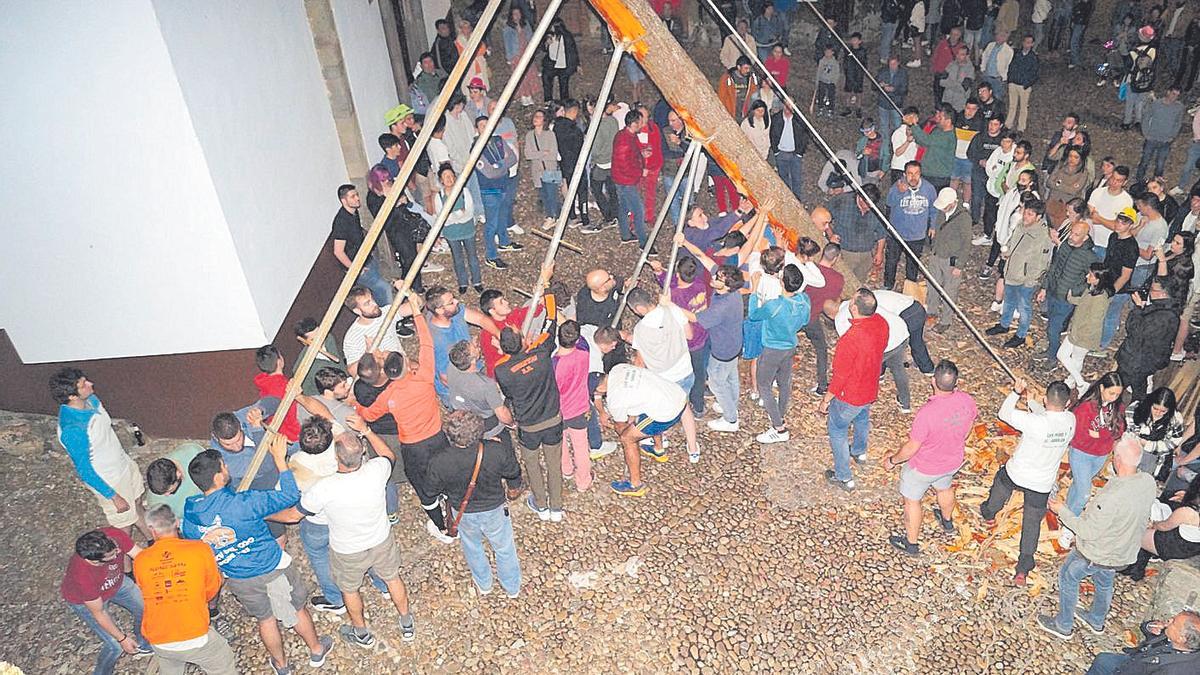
825, 147
866, 71
370, 237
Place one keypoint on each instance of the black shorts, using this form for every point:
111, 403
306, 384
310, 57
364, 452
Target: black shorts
532, 440
1171, 546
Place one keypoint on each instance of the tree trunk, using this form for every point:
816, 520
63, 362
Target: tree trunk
692, 96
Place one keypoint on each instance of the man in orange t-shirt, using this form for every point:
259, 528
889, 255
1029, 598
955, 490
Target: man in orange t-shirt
178, 578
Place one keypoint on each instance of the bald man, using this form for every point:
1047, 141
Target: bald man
595, 305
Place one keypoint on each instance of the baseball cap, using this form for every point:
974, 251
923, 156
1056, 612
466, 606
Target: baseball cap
476, 83
396, 114
945, 197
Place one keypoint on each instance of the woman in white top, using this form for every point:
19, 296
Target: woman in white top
541, 151
757, 127
459, 231
730, 50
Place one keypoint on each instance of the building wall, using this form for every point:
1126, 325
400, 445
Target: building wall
368, 68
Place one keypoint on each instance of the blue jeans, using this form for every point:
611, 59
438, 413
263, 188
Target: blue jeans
1189, 166
496, 228
1077, 44
370, 277
677, 202
496, 527
629, 202
1084, 468
841, 416
1108, 663
465, 257
1074, 570
724, 383
1017, 298
315, 540
887, 35
1156, 152
791, 171
129, 597
1060, 311
551, 198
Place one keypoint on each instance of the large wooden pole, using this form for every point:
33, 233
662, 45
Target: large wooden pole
691, 95
364, 251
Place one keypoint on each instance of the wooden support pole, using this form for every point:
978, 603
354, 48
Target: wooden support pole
542, 234
589, 139
690, 158
460, 183
690, 93
683, 217
370, 237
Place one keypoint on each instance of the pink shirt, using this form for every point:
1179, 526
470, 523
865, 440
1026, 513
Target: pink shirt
941, 427
571, 374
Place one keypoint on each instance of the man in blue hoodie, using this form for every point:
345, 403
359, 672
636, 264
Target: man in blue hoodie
85, 431
782, 318
910, 202
258, 572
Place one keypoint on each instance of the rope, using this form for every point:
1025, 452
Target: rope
369, 239
866, 71
825, 147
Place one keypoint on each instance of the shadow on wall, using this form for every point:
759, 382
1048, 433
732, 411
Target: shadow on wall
173, 395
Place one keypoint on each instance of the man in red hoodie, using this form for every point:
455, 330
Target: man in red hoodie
650, 140
628, 171
854, 386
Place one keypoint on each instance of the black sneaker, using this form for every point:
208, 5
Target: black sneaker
1048, 624
320, 604
496, 263
946, 523
631, 240
1014, 342
985, 273
478, 288
510, 246
462, 289
996, 330
902, 543
317, 659
404, 328
847, 485
356, 636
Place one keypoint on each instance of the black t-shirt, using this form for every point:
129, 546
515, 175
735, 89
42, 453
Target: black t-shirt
348, 227
527, 380
588, 312
366, 394
1121, 253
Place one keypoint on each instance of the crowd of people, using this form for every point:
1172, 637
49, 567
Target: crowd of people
504, 401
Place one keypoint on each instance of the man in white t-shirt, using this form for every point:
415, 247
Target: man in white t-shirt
904, 148
660, 338
1104, 205
352, 502
369, 317
1151, 232
1046, 432
641, 404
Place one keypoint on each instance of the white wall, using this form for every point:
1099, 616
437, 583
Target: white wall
253, 86
364, 51
115, 240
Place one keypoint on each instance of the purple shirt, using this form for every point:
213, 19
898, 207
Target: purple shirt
694, 298
941, 427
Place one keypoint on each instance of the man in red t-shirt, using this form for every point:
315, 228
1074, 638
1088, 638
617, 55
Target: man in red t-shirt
493, 303
817, 297
857, 362
933, 454
271, 382
95, 579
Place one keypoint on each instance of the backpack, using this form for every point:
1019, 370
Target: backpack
1141, 75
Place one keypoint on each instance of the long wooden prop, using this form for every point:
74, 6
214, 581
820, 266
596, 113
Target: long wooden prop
690, 159
787, 99
589, 139
477, 148
371, 236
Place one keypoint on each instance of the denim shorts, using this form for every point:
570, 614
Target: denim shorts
962, 169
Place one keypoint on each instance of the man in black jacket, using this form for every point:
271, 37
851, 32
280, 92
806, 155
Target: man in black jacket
1023, 73
789, 140
569, 137
1149, 335
1169, 648
485, 515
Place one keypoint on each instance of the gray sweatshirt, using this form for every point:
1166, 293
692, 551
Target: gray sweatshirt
1161, 121
602, 146
1109, 532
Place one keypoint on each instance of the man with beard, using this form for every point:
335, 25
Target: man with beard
362, 332
448, 321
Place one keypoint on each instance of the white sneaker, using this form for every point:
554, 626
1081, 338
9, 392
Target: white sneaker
772, 435
717, 408
694, 457
1176, 191
753, 394
432, 268
1066, 538
606, 448
437, 534
556, 516
915, 63
516, 229
720, 424
981, 240
526, 101
648, 443
1176, 357
996, 306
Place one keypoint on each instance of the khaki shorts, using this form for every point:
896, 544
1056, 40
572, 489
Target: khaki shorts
130, 486
348, 569
252, 592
